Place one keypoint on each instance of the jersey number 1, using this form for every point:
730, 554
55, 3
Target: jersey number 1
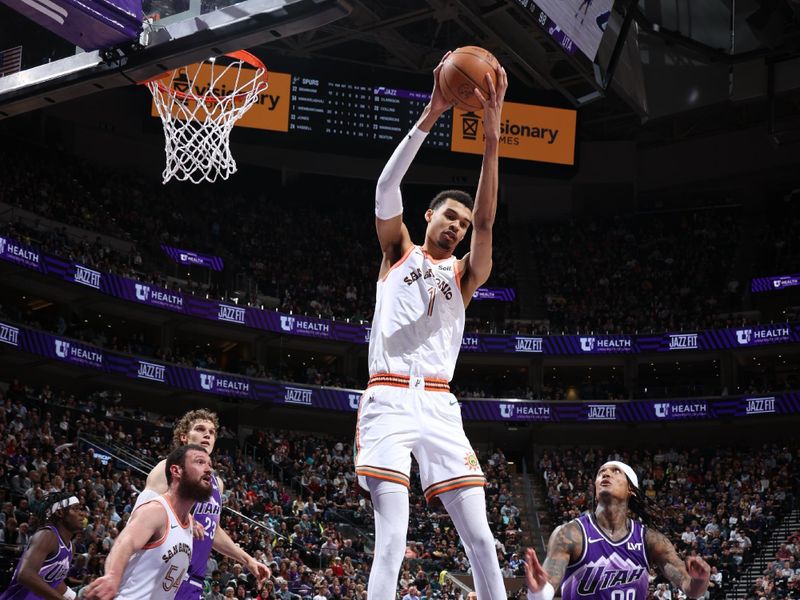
432, 294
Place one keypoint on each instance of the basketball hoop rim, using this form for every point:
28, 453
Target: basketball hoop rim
261, 73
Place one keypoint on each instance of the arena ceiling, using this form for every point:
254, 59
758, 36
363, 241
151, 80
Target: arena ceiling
412, 35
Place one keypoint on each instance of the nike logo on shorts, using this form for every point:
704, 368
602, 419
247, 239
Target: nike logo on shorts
453, 402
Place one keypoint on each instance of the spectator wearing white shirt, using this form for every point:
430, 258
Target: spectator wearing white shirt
412, 594
663, 592
688, 536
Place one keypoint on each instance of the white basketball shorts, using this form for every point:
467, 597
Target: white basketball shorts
404, 417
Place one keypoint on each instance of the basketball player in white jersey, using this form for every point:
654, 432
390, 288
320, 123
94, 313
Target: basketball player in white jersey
416, 335
200, 427
152, 554
605, 554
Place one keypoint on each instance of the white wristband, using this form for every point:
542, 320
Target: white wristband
70, 594
546, 593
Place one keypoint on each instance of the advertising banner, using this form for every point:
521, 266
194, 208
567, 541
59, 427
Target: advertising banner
527, 132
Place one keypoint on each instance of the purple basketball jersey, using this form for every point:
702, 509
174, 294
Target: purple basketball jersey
54, 571
608, 570
207, 514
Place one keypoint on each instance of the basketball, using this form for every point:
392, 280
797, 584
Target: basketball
463, 71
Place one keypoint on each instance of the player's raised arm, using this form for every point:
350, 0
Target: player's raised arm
692, 577
565, 546
479, 259
155, 486
392, 233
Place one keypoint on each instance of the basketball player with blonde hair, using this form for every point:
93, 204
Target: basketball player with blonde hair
416, 336
200, 427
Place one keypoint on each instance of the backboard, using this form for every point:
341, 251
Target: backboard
174, 33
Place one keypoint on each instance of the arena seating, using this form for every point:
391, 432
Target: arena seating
719, 503
641, 273
300, 485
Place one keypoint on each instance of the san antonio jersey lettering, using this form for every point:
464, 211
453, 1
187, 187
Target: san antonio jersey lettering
419, 318
156, 571
608, 570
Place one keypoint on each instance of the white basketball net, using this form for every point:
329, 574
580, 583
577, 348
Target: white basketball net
198, 112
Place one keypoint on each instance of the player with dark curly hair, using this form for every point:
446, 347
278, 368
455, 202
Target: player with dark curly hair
43, 566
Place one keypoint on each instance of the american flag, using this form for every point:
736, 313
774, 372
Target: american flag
10, 60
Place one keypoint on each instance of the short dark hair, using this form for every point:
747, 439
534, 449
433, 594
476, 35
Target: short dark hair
178, 457
457, 195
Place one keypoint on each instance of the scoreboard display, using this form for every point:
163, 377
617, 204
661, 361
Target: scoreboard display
334, 113
360, 112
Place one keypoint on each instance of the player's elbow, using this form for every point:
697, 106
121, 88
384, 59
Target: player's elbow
28, 576
481, 271
482, 223
386, 185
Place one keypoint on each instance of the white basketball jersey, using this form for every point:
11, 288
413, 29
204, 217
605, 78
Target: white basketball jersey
419, 318
156, 571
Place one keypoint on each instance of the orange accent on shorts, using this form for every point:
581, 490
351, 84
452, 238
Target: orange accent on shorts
402, 381
384, 474
453, 484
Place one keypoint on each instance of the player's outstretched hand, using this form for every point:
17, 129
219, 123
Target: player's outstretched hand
198, 532
102, 588
439, 104
260, 570
493, 105
535, 575
697, 568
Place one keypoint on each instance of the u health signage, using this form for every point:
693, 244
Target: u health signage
527, 132
778, 282
18, 338
360, 333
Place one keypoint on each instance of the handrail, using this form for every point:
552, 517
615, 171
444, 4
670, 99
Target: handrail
532, 503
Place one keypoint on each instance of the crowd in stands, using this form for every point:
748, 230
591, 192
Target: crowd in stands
781, 577
720, 503
645, 272
778, 249
300, 485
292, 243
640, 273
